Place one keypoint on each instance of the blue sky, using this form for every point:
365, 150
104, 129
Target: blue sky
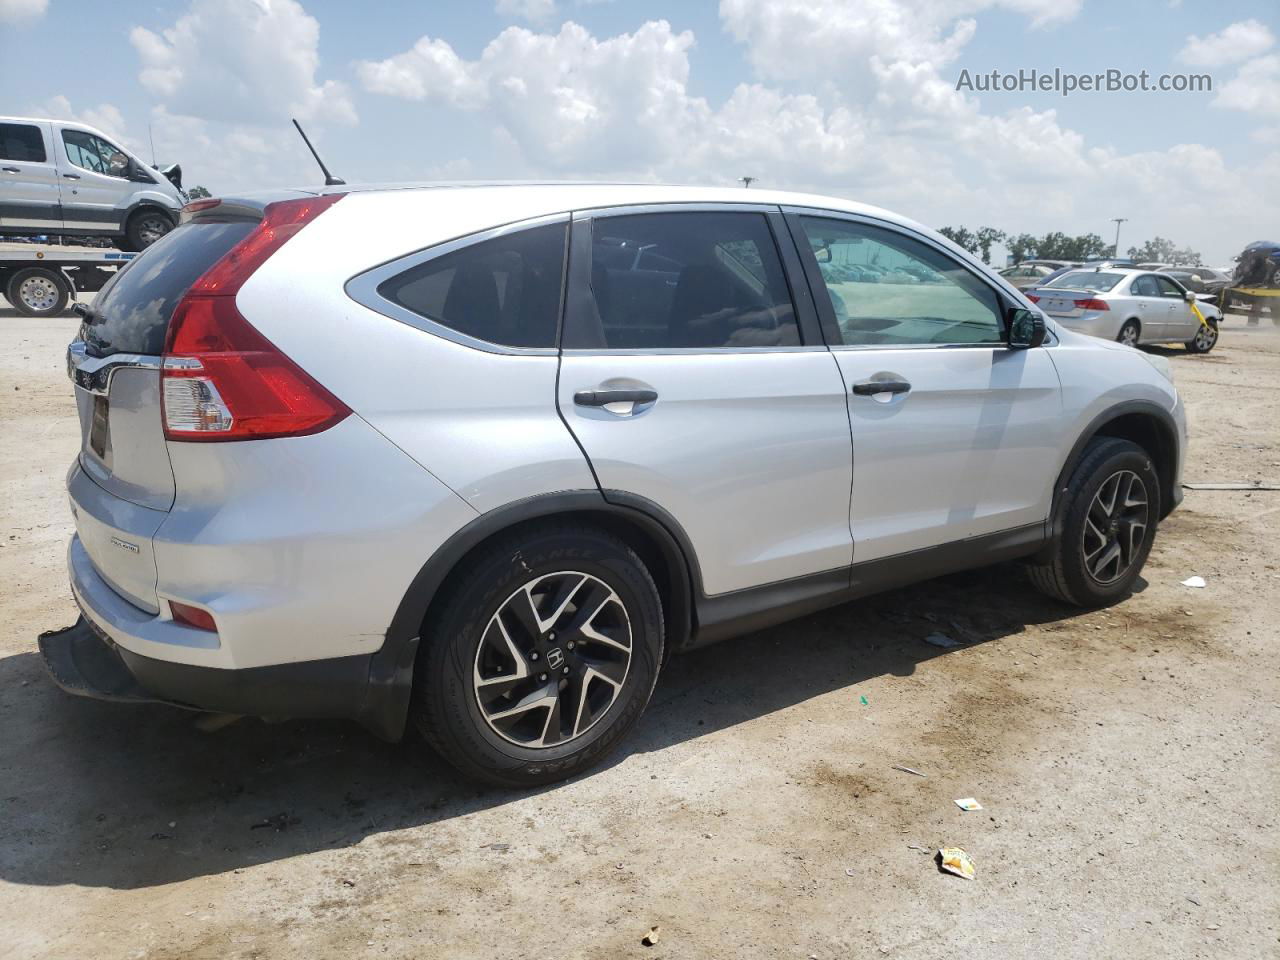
850, 98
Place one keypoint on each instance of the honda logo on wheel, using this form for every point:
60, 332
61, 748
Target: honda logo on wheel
554, 658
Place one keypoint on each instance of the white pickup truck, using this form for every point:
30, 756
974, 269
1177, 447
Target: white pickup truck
63, 178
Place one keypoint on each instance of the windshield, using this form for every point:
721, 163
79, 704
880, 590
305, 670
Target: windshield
1087, 280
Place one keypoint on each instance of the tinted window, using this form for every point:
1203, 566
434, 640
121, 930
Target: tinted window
131, 313
23, 142
1087, 280
887, 288
1144, 287
93, 153
505, 290
687, 281
1168, 288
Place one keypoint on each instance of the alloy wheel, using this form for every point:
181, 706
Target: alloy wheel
38, 293
1115, 527
1206, 337
1129, 335
553, 659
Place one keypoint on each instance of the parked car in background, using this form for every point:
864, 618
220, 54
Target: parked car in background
1202, 281
457, 459
1027, 275
64, 178
1131, 306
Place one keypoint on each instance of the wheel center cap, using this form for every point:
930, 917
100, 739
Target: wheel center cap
555, 657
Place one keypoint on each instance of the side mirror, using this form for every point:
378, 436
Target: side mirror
118, 165
1026, 329
1190, 296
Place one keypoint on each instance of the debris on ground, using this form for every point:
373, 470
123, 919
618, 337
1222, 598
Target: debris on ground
1193, 582
496, 847
939, 639
848, 871
279, 823
910, 770
968, 803
863, 701
912, 846
1232, 486
651, 937
348, 883
954, 860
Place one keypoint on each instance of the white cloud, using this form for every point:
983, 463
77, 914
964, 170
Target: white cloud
241, 61
534, 11
11, 11
1236, 43
1253, 88
105, 117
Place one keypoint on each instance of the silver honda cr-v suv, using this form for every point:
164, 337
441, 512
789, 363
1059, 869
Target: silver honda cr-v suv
477, 459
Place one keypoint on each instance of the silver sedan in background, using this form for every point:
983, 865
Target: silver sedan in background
1132, 306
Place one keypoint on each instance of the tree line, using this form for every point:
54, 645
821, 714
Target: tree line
1060, 246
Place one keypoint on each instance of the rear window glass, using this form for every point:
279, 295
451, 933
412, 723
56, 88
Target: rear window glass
1087, 280
131, 314
505, 290
22, 142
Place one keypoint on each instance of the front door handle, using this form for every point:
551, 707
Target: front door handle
10, 169
598, 398
72, 176
869, 388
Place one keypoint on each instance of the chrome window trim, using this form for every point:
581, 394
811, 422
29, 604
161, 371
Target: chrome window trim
988, 278
685, 206
94, 374
363, 287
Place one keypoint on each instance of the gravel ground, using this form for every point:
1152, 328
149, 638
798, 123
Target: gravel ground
1126, 760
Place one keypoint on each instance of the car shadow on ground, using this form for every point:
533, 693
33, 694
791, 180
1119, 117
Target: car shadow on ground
127, 797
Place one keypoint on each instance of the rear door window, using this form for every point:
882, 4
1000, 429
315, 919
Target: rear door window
686, 281
22, 142
131, 314
504, 291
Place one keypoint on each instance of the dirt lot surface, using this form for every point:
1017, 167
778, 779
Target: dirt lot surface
1126, 759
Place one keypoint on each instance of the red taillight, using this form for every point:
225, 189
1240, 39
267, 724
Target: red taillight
1033, 298
221, 378
192, 616
1091, 305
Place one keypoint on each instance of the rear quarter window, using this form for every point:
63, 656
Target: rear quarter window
132, 313
22, 142
503, 291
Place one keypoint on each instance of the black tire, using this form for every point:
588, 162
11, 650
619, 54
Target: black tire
1129, 333
1066, 575
1204, 340
38, 292
144, 228
446, 705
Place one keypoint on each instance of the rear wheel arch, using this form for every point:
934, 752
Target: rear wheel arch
647, 529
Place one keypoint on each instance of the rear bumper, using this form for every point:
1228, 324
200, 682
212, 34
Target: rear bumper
84, 662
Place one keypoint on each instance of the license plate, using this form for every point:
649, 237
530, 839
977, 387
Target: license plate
99, 436
1058, 306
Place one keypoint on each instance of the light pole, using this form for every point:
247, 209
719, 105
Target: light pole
1117, 221
747, 181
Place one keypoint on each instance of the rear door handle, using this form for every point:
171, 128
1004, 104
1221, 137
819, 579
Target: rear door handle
72, 176
598, 398
869, 388
10, 169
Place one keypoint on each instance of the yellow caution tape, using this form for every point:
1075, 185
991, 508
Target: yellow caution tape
1195, 308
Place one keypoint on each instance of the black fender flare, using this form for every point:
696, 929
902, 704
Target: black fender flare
386, 702
1168, 432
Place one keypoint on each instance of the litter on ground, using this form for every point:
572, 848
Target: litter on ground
968, 803
954, 860
1193, 582
910, 770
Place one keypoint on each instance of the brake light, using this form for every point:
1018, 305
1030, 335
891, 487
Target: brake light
1091, 305
192, 616
223, 380
1033, 298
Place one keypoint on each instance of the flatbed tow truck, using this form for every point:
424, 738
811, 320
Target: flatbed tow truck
39, 280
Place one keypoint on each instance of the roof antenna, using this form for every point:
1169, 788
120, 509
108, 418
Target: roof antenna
329, 179
153, 145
